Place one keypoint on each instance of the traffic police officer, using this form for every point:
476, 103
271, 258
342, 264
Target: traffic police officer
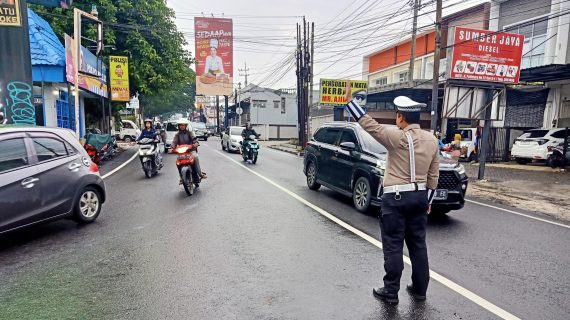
410, 180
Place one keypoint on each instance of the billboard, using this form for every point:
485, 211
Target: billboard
214, 56
119, 74
333, 91
93, 74
485, 55
10, 13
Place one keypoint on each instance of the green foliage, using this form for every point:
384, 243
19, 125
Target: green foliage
145, 32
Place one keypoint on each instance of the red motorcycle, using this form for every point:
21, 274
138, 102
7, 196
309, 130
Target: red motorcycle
185, 163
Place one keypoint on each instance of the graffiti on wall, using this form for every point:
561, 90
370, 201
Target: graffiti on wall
19, 103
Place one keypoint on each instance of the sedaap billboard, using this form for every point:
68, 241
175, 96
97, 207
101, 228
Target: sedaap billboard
485, 55
214, 56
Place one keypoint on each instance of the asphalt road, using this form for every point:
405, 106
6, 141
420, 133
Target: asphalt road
254, 244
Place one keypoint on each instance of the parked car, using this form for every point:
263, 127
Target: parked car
345, 158
533, 144
45, 174
170, 128
200, 130
129, 131
232, 138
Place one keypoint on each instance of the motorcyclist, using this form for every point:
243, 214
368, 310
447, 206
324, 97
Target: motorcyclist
248, 131
150, 133
185, 136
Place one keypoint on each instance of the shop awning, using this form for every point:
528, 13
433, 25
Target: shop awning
551, 72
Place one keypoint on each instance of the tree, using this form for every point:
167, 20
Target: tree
145, 32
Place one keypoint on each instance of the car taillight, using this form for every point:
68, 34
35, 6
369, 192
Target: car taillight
93, 168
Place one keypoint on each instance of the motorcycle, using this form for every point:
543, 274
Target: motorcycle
556, 158
100, 147
185, 162
250, 149
149, 156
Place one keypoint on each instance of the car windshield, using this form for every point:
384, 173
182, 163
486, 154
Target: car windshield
171, 126
236, 131
534, 134
370, 144
198, 125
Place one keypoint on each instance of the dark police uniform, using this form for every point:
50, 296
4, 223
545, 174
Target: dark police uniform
410, 179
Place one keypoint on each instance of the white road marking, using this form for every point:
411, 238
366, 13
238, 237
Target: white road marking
477, 202
519, 214
121, 166
487, 305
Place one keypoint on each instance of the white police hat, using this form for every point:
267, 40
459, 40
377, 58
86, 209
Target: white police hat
405, 104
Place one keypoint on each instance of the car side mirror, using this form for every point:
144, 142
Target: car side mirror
349, 146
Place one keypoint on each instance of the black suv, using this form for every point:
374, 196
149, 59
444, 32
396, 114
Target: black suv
345, 158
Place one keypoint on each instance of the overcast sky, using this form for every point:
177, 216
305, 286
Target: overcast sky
264, 32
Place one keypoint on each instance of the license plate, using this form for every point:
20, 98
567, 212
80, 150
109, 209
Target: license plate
440, 194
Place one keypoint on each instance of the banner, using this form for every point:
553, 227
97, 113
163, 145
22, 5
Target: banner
93, 74
10, 13
333, 91
119, 74
484, 55
214, 56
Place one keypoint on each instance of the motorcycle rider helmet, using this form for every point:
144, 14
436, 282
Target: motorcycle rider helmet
182, 122
148, 120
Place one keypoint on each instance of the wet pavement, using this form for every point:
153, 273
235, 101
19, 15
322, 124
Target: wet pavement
241, 248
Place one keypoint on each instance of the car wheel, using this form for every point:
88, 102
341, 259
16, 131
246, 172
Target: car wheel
87, 206
206, 139
523, 161
128, 139
312, 177
361, 194
223, 147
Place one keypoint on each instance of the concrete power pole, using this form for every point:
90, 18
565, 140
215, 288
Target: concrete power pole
436, 58
244, 74
311, 74
416, 4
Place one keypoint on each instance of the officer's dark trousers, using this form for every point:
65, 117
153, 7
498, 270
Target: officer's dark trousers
405, 219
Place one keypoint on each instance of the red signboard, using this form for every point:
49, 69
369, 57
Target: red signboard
485, 55
214, 56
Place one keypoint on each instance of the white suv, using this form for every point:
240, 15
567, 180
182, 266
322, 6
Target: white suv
533, 144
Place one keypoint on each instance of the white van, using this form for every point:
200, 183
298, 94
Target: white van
129, 131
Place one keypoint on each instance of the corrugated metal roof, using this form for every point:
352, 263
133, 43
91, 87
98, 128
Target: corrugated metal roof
45, 47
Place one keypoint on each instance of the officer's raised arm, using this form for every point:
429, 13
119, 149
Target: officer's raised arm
383, 134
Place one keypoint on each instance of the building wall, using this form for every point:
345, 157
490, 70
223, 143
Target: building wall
513, 11
270, 114
423, 69
425, 44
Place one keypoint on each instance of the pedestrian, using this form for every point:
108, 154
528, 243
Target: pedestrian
410, 180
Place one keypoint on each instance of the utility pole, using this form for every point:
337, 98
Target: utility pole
218, 112
311, 73
299, 83
245, 74
484, 144
416, 5
305, 83
436, 60
77, 43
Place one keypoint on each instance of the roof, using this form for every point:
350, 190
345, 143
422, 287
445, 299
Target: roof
547, 73
45, 47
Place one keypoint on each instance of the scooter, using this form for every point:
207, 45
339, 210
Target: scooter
556, 158
149, 156
185, 163
250, 149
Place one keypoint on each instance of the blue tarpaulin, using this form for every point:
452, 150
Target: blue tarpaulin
47, 52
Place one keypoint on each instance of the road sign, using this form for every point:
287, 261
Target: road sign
239, 111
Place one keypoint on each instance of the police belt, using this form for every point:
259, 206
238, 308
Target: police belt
405, 188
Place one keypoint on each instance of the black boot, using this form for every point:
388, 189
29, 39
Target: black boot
382, 294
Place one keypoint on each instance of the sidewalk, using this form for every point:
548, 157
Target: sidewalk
284, 146
533, 188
